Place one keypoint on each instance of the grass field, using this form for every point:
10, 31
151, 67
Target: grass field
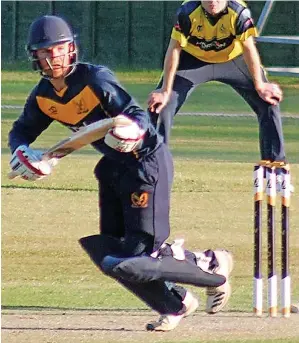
16, 86
51, 292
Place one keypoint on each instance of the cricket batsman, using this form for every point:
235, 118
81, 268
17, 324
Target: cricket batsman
134, 174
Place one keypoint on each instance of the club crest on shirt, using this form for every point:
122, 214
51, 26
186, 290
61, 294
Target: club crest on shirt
222, 28
53, 110
81, 106
139, 200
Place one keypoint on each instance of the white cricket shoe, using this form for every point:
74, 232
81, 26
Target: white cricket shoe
191, 303
168, 322
218, 296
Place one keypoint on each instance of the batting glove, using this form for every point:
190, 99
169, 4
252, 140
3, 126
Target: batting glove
124, 138
28, 164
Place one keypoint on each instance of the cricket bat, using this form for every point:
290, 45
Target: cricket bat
86, 135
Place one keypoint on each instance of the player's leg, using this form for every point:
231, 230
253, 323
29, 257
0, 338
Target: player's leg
212, 271
154, 218
145, 193
155, 294
182, 88
183, 293
217, 297
191, 72
150, 217
236, 74
111, 216
166, 267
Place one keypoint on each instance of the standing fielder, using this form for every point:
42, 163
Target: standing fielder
214, 41
135, 176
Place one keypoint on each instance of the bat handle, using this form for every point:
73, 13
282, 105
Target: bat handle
12, 175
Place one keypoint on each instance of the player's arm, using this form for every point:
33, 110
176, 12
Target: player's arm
117, 102
158, 99
245, 32
26, 162
270, 92
31, 123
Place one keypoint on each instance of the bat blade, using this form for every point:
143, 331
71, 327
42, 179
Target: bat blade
86, 135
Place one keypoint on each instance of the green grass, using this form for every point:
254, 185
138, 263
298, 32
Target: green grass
213, 165
17, 86
208, 138
211, 206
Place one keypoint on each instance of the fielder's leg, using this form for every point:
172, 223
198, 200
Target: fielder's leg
191, 72
236, 74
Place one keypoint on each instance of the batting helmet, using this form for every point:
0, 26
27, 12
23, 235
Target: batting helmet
47, 31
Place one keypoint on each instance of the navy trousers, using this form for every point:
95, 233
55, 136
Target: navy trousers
193, 72
156, 294
148, 277
134, 200
134, 203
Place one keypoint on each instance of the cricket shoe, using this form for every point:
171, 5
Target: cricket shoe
168, 322
191, 304
218, 296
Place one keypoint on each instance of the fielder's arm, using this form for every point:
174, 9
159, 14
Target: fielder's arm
159, 98
269, 92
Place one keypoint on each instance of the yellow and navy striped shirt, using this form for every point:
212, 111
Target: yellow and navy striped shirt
93, 93
213, 39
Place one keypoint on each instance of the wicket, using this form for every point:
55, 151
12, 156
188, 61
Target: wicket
258, 176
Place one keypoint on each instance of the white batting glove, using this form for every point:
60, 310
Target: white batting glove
124, 138
28, 164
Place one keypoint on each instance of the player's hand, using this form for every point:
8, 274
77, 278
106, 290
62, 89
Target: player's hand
124, 138
28, 164
157, 100
270, 92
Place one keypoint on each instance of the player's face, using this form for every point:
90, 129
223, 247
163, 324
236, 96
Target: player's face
214, 7
55, 60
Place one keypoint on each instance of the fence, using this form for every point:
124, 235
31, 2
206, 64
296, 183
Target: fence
132, 34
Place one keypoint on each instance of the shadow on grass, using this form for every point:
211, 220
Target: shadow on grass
36, 187
95, 311
53, 308
69, 329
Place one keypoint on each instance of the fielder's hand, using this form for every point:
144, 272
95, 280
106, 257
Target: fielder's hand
270, 92
157, 100
28, 164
